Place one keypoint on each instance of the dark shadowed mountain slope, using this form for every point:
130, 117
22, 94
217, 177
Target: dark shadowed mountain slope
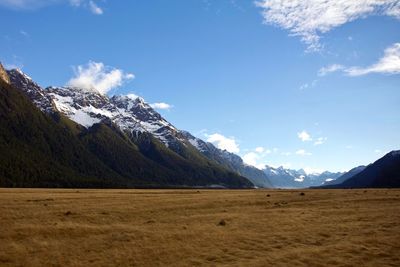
130, 115
383, 173
47, 149
346, 176
230, 160
36, 151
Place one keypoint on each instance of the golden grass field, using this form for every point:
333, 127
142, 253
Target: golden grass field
40, 227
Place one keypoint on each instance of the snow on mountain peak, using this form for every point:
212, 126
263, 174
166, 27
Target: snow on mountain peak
32, 89
18, 70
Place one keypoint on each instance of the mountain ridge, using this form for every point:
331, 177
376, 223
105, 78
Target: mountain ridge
132, 116
287, 178
383, 173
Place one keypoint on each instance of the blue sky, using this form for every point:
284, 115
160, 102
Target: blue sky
318, 91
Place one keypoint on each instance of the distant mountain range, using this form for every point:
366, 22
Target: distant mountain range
384, 173
126, 143
288, 178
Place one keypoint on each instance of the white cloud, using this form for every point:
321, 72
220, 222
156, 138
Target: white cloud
259, 149
223, 142
310, 170
329, 69
96, 76
320, 141
286, 154
161, 105
252, 159
389, 63
132, 96
304, 136
256, 158
309, 19
302, 152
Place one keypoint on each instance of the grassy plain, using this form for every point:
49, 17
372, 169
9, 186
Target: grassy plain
40, 227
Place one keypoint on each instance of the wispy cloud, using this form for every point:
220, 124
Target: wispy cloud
310, 19
302, 152
320, 141
223, 142
97, 76
95, 9
329, 69
91, 5
308, 85
27, 4
389, 63
24, 33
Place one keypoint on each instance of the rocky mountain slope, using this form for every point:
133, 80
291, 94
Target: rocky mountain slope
4, 75
134, 118
42, 147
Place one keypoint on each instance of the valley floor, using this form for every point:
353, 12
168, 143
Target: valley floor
199, 228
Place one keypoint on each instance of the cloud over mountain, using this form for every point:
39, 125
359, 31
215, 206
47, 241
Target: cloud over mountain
97, 76
223, 142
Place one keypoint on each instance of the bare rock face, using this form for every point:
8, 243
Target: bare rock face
4, 75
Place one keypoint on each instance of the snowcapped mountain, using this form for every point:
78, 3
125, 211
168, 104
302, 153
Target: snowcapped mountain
31, 89
87, 107
133, 116
288, 178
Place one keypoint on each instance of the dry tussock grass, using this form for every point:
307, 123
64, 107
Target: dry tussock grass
199, 228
